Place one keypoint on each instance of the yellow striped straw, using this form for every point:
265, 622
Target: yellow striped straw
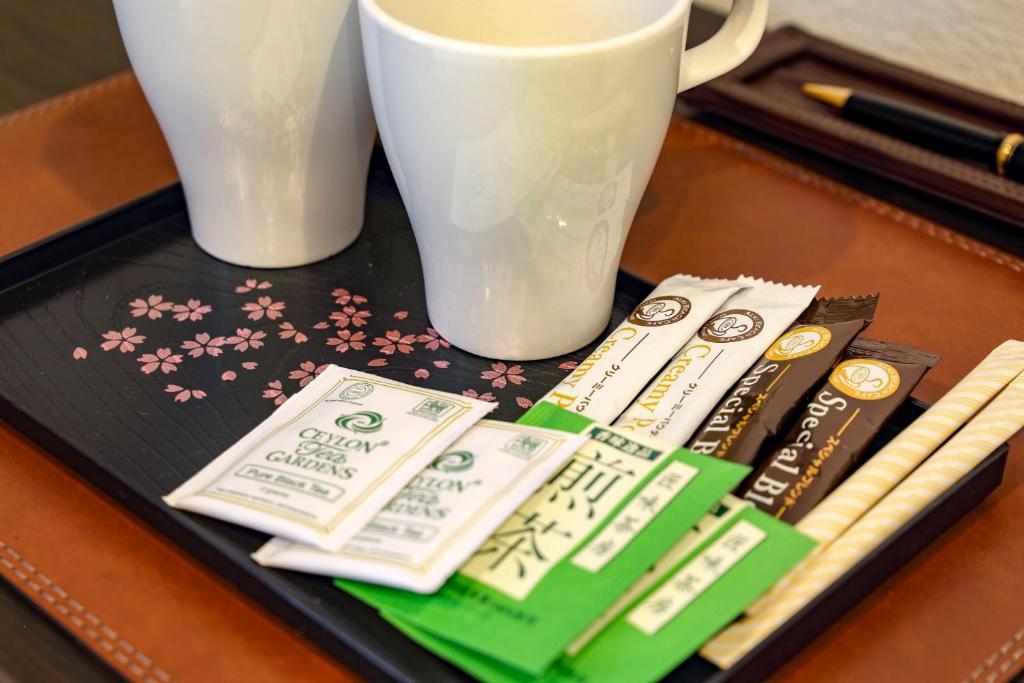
996, 423
866, 486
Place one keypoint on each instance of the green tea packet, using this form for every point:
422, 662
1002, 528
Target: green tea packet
718, 516
666, 624
577, 544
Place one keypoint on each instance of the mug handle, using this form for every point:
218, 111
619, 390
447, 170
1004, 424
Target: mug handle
728, 48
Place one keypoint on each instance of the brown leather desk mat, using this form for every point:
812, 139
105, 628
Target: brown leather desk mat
765, 92
715, 207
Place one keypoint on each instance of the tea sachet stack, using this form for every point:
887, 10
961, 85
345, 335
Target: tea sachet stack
632, 536
633, 553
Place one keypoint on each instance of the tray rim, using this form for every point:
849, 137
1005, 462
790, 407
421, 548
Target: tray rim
198, 541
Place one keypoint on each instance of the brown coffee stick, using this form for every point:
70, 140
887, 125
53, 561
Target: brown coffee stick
759, 404
835, 427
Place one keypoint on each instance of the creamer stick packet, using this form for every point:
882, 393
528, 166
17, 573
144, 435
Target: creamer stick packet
444, 514
564, 556
679, 398
609, 378
663, 626
323, 464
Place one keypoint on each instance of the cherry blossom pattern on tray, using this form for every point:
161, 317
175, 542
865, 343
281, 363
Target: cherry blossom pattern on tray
264, 306
472, 393
152, 307
250, 285
192, 311
163, 360
350, 315
406, 355
244, 339
393, 340
344, 340
275, 391
288, 331
181, 394
204, 344
307, 372
501, 374
432, 340
343, 297
124, 341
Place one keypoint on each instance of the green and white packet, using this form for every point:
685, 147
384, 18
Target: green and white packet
665, 625
561, 560
725, 510
325, 462
444, 514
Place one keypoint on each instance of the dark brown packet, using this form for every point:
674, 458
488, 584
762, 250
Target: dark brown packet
826, 441
759, 404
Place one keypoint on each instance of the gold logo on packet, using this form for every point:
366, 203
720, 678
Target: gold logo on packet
803, 341
661, 310
865, 378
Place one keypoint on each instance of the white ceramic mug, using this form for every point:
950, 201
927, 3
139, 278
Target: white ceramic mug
265, 107
522, 134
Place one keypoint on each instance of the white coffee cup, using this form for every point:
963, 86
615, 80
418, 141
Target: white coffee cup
522, 134
265, 108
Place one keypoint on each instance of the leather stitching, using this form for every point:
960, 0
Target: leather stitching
82, 620
65, 100
1005, 657
852, 196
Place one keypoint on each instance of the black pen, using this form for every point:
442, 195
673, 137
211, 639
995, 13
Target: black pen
1003, 152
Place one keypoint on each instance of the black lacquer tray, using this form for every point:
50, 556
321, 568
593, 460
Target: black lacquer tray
135, 358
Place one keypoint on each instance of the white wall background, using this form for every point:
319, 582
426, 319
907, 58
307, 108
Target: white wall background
977, 43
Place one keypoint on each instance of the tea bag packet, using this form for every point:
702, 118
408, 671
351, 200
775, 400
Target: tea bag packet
679, 398
701, 593
759, 404
606, 380
566, 554
323, 464
835, 427
444, 514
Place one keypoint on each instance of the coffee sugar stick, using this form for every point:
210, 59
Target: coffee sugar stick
991, 427
875, 478
832, 431
761, 402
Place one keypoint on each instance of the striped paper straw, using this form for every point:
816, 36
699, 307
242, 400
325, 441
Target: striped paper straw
991, 427
866, 486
